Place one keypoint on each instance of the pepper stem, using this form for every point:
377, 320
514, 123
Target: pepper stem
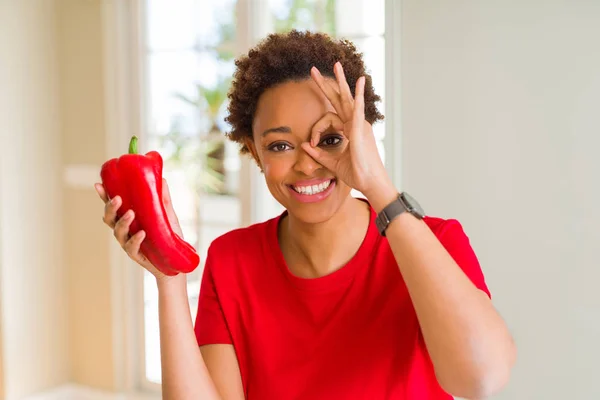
133, 145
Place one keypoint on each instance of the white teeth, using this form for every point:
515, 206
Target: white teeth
314, 189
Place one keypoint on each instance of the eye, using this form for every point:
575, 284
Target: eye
331, 141
279, 147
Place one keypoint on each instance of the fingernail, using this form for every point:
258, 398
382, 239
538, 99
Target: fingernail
113, 201
128, 214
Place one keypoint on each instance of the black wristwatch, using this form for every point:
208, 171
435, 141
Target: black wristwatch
403, 203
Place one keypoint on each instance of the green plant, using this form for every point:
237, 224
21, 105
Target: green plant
209, 101
203, 152
202, 156
322, 14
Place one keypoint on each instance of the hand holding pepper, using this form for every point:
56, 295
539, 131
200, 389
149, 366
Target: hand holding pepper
120, 226
139, 209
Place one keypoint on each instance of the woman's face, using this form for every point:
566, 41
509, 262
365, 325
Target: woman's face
283, 120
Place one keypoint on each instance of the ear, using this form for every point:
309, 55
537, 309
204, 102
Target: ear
249, 143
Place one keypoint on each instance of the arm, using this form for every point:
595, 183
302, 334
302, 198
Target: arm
190, 372
469, 344
224, 369
187, 372
213, 335
185, 375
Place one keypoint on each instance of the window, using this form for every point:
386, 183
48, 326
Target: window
189, 51
189, 47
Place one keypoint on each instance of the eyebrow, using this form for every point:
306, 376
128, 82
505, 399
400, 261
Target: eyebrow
279, 129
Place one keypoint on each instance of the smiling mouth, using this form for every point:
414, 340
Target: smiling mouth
312, 189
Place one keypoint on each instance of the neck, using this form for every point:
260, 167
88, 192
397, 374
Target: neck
339, 239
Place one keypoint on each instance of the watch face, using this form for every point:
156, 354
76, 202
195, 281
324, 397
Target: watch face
413, 206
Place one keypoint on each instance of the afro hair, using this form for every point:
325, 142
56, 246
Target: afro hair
289, 57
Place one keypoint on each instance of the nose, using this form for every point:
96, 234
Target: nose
305, 164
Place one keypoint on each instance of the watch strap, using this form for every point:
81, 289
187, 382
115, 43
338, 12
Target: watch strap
389, 213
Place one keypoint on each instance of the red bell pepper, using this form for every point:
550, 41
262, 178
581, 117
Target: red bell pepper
137, 179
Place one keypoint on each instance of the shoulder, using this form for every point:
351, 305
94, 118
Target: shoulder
237, 259
245, 238
442, 228
450, 233
452, 236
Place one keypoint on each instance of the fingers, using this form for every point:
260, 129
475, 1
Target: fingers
132, 247
328, 89
110, 211
359, 101
132, 244
101, 192
329, 122
121, 230
321, 156
110, 206
339, 93
347, 102
333, 86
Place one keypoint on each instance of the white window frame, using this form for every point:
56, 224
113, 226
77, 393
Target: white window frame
123, 59
124, 73
393, 94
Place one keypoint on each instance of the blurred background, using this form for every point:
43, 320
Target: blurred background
492, 117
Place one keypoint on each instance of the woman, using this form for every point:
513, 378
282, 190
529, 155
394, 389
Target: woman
322, 302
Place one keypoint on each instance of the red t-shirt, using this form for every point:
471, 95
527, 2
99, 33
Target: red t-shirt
349, 335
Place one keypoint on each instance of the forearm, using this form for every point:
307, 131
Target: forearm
184, 373
468, 342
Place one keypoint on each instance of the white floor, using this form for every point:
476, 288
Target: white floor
76, 392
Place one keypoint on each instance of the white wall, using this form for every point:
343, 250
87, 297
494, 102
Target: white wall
32, 274
501, 129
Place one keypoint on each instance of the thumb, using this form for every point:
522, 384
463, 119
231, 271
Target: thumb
166, 198
319, 155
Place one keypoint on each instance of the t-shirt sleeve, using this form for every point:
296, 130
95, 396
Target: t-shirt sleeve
210, 326
457, 243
